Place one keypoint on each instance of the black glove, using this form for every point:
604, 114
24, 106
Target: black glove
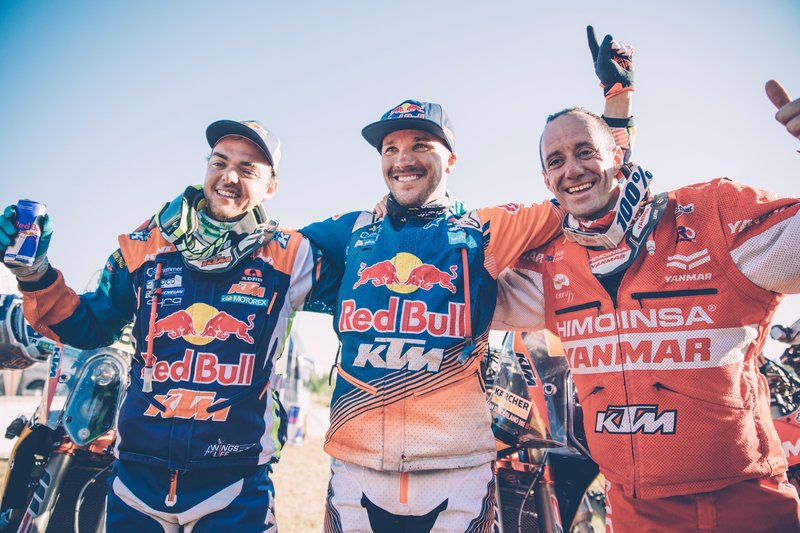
613, 64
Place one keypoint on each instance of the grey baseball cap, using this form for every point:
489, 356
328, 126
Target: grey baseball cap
251, 130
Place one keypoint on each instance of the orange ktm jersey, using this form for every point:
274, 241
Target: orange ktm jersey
666, 371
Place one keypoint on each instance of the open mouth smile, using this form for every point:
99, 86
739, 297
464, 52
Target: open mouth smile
226, 193
579, 188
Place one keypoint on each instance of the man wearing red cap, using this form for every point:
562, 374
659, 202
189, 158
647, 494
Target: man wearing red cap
210, 283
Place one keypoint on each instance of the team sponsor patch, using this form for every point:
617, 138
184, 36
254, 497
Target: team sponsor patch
245, 300
688, 262
685, 234
412, 317
629, 419
188, 404
142, 235
281, 238
684, 210
395, 354
222, 448
560, 281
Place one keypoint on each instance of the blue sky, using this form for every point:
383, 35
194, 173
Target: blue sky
104, 104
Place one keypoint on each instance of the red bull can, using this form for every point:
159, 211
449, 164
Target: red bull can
30, 217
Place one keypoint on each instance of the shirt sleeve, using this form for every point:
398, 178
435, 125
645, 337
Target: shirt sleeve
330, 236
85, 321
763, 234
318, 279
520, 300
512, 229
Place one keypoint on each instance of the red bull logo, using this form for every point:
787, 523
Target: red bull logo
412, 318
405, 273
222, 325
205, 368
426, 276
210, 322
407, 109
383, 273
176, 325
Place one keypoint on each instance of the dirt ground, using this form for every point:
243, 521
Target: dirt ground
301, 478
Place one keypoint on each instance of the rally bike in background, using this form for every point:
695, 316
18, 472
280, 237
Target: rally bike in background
784, 389
57, 472
545, 478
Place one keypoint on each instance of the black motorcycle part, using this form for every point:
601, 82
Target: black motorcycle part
15, 427
572, 476
33, 450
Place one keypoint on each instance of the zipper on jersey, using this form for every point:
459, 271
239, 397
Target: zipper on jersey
659, 295
580, 307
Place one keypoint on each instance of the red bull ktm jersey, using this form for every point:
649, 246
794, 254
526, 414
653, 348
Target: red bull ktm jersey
666, 371
215, 338
413, 315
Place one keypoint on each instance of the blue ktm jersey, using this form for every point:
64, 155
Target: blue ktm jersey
215, 338
413, 315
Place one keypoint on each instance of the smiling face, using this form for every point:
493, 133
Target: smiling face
581, 162
415, 166
238, 178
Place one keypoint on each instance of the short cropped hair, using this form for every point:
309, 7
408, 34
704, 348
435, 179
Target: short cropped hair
605, 131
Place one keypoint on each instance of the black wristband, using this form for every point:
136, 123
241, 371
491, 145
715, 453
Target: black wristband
619, 122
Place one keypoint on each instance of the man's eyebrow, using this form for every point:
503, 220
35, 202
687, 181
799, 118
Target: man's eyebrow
577, 145
551, 154
220, 155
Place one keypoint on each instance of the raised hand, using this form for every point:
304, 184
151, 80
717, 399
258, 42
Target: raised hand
613, 63
788, 111
8, 234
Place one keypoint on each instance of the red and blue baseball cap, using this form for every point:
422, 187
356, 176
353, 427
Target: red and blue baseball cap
251, 130
411, 115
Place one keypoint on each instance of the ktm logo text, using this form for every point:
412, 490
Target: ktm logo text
205, 368
527, 370
629, 419
248, 288
668, 317
188, 404
399, 353
791, 449
414, 319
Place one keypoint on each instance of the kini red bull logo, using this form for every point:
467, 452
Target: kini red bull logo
405, 273
208, 321
406, 110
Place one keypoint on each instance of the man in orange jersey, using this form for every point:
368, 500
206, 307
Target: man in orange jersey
662, 302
